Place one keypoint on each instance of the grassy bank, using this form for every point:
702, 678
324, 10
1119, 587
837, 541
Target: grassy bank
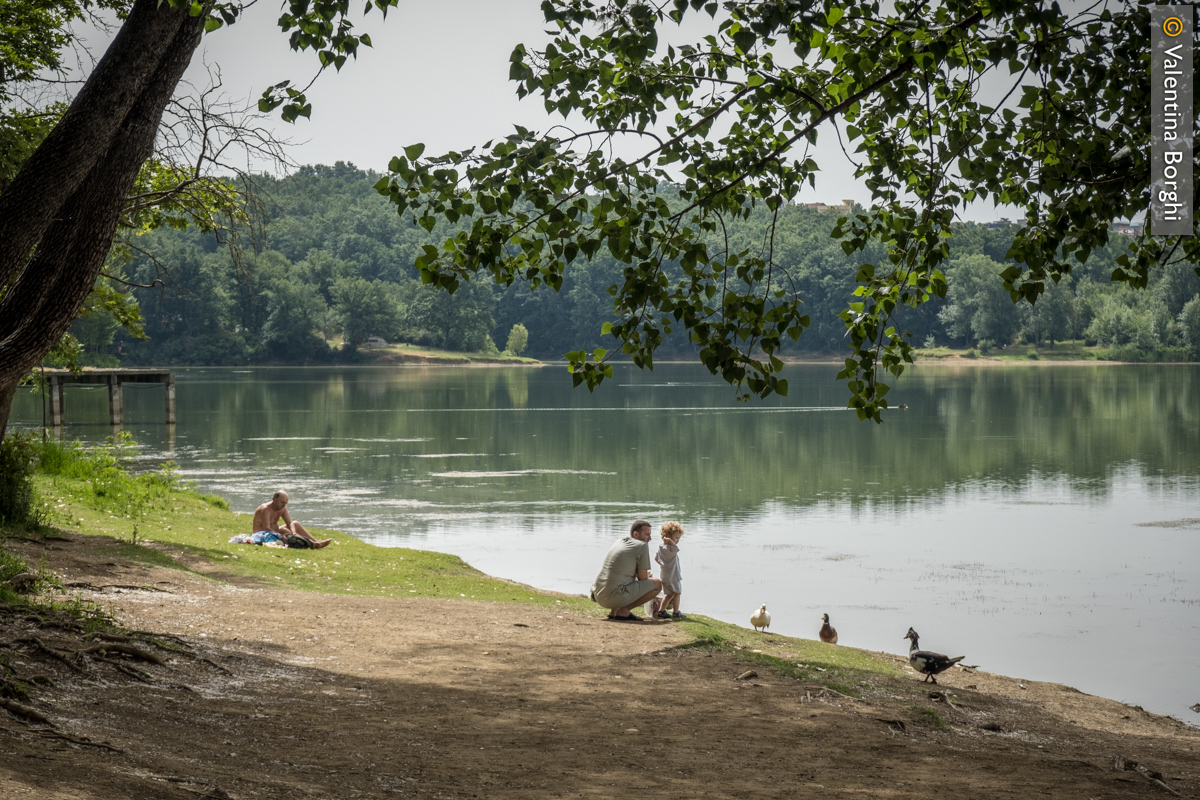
156, 520
201, 527
90, 492
416, 354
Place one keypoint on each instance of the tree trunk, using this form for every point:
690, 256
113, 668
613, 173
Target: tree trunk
59, 215
6, 397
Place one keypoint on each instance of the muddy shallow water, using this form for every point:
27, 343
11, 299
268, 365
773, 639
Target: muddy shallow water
1044, 521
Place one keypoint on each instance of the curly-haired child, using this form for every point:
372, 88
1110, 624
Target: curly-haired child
672, 581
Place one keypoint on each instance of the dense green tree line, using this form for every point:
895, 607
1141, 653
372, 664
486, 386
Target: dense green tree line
333, 265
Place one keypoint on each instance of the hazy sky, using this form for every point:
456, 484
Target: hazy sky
438, 74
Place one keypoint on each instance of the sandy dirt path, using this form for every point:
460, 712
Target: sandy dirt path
317, 696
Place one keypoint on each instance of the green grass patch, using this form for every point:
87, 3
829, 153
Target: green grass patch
202, 525
412, 353
844, 669
930, 717
860, 674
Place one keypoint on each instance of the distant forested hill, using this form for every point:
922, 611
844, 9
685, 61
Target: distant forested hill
333, 265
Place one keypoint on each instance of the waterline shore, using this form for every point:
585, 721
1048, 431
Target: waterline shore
370, 689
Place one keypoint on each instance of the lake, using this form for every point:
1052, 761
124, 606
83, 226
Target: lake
1042, 520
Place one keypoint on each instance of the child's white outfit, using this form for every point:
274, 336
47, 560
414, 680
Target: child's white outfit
668, 559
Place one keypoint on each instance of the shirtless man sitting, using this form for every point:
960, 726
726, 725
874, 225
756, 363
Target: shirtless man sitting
267, 516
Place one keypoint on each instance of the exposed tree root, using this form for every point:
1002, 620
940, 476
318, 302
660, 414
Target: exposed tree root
150, 635
73, 740
1121, 764
91, 587
50, 651
25, 712
139, 637
132, 672
213, 664
894, 724
126, 649
211, 791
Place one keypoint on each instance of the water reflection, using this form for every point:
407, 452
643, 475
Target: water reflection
1007, 505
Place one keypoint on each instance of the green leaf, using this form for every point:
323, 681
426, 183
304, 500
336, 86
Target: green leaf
744, 40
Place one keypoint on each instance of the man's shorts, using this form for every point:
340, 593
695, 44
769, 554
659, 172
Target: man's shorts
626, 595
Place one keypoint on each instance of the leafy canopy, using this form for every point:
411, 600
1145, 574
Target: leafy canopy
725, 124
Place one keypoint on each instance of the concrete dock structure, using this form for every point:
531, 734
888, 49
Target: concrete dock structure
113, 378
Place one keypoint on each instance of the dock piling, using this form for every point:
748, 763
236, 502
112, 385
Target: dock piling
170, 384
56, 401
116, 414
115, 379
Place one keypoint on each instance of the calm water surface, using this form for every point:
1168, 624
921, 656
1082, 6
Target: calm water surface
1043, 521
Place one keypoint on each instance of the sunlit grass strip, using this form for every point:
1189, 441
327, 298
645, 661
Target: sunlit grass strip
846, 670
418, 354
203, 527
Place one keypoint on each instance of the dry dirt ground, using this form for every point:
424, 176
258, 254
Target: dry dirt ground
317, 696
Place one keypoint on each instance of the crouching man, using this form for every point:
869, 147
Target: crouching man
624, 582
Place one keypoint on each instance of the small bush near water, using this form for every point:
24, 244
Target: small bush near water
105, 468
18, 457
102, 469
113, 488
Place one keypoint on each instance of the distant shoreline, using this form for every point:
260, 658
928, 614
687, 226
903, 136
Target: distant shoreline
391, 356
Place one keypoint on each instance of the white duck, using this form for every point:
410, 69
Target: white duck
761, 618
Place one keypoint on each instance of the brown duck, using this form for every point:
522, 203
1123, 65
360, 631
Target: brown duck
828, 632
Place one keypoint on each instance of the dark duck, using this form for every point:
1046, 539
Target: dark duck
926, 662
828, 632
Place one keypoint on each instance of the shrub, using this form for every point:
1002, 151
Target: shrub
215, 501
1174, 354
1130, 352
113, 487
11, 565
18, 456
518, 339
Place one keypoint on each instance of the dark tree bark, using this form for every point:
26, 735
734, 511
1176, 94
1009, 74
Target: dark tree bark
59, 215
